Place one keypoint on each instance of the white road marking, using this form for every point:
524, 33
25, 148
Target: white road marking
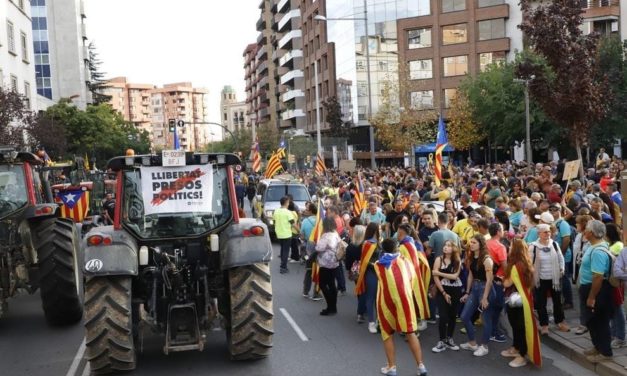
294, 325
86, 370
77, 360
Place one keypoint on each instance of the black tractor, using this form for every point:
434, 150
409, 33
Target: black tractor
38, 248
178, 260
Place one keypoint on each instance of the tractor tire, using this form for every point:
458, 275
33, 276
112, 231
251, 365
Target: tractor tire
109, 324
57, 244
250, 324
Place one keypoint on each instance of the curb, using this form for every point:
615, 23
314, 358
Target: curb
575, 353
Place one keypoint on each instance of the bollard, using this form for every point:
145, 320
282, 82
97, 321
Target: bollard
623, 193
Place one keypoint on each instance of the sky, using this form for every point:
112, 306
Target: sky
160, 41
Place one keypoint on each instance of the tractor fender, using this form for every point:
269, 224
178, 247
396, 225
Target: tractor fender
239, 250
117, 258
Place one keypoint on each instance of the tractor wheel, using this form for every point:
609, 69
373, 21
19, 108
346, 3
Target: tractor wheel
250, 327
109, 324
57, 244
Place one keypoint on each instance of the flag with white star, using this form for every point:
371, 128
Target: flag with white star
70, 198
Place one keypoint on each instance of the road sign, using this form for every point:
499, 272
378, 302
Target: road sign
172, 158
180, 123
238, 168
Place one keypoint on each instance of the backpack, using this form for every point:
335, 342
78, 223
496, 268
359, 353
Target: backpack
573, 231
553, 243
341, 250
614, 282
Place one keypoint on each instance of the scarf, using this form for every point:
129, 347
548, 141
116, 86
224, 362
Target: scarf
556, 273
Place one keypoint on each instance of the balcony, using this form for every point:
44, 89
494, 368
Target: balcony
289, 56
289, 37
292, 114
263, 82
596, 10
261, 53
82, 9
264, 112
281, 5
84, 31
261, 23
289, 95
263, 67
289, 76
262, 38
289, 16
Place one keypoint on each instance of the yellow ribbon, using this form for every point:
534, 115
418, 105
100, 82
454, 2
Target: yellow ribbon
431, 159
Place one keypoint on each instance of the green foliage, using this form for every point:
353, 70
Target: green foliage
303, 146
97, 83
337, 126
15, 118
268, 135
242, 143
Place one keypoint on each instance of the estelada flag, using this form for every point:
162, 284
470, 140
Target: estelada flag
408, 250
274, 166
395, 301
359, 202
75, 204
441, 143
531, 327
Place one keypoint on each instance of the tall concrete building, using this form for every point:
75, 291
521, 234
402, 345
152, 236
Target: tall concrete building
61, 50
263, 102
234, 113
150, 108
17, 59
250, 75
606, 17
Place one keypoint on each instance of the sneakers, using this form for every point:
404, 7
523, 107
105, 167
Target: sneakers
439, 347
341, 293
481, 351
510, 353
518, 362
372, 328
360, 319
305, 295
563, 327
292, 261
316, 297
283, 271
327, 312
597, 358
618, 343
422, 325
422, 370
432, 320
462, 330
468, 346
451, 344
581, 330
544, 330
590, 351
499, 338
388, 371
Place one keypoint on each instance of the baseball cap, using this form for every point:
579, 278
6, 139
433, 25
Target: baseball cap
555, 205
545, 217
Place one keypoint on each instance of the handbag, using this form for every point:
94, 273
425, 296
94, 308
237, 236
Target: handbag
341, 250
353, 273
514, 300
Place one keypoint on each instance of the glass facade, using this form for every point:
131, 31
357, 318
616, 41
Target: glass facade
485, 59
452, 34
419, 38
420, 69
42, 51
491, 29
449, 95
421, 100
351, 42
455, 65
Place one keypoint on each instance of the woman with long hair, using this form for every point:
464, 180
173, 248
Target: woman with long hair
446, 271
519, 280
479, 294
367, 282
353, 255
327, 247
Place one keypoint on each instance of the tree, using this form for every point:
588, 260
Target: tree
463, 131
398, 129
303, 146
15, 118
50, 134
97, 83
268, 135
571, 88
242, 143
337, 126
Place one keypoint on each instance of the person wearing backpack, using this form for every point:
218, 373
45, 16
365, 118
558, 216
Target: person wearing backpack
617, 324
595, 292
564, 238
548, 264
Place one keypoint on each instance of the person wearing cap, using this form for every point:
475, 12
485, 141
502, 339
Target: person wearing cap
548, 262
563, 237
542, 218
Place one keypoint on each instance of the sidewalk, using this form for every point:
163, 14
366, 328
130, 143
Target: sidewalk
572, 345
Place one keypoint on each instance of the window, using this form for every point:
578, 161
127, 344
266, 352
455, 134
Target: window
455, 65
10, 37
489, 3
362, 88
226, 116
361, 113
361, 65
419, 38
453, 5
420, 69
488, 58
27, 95
449, 95
421, 100
14, 83
24, 44
21, 4
492, 29
452, 34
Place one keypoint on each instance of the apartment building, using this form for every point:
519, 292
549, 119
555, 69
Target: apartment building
17, 71
263, 102
234, 113
150, 108
318, 53
61, 55
458, 38
606, 17
250, 75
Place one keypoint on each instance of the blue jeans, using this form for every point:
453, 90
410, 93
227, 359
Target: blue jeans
618, 323
472, 304
497, 308
366, 302
567, 289
339, 277
286, 244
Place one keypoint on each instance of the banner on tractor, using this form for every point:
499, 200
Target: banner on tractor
177, 189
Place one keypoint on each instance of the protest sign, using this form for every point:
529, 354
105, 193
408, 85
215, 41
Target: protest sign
177, 189
571, 170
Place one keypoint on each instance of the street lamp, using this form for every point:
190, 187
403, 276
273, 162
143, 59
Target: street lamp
373, 163
527, 125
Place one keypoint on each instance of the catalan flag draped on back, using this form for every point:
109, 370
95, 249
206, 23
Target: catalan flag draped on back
321, 168
395, 301
408, 250
256, 157
359, 202
441, 143
531, 329
274, 166
367, 252
316, 233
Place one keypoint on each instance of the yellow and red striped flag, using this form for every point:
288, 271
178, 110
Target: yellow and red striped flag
359, 202
75, 204
316, 233
441, 143
321, 168
256, 157
395, 301
408, 250
367, 250
531, 327
274, 166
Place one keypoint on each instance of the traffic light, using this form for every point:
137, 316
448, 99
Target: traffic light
171, 125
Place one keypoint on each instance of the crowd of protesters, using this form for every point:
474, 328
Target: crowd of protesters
503, 238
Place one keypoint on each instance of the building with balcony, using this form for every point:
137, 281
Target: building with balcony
61, 53
606, 17
16, 50
234, 114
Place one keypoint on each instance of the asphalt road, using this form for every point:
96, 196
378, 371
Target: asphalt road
310, 345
